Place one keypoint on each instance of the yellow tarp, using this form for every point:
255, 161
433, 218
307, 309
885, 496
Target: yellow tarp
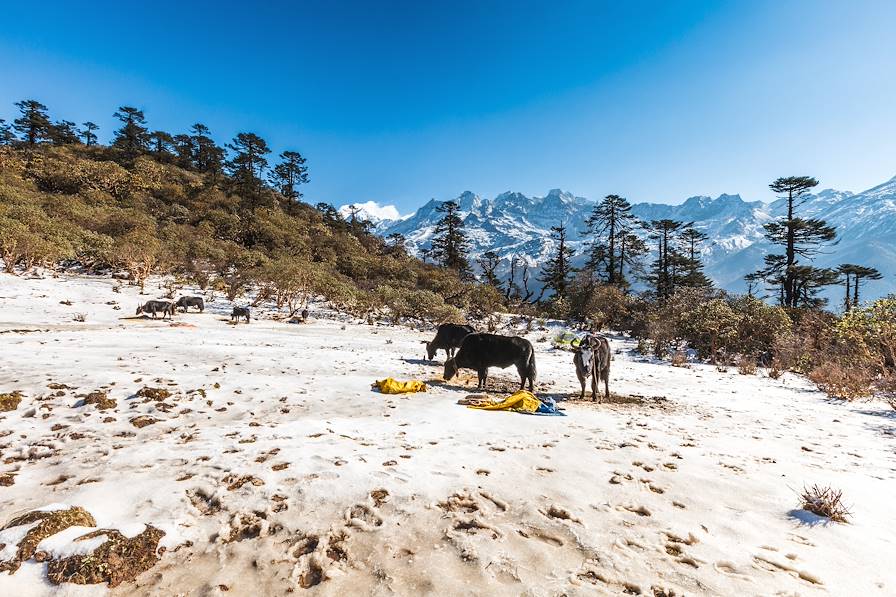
393, 386
520, 401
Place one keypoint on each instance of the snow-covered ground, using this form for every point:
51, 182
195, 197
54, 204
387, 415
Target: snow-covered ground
273, 465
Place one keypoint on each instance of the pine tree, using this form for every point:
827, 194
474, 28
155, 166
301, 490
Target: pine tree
800, 238
396, 244
133, 136
558, 270
33, 125
852, 276
330, 215
632, 249
248, 162
449, 245
753, 280
357, 223
6, 135
88, 133
64, 132
184, 150
207, 156
665, 271
160, 144
289, 174
608, 224
692, 275
808, 283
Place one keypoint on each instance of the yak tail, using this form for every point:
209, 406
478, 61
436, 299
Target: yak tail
531, 366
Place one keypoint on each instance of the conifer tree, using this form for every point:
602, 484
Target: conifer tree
449, 245
207, 156
133, 136
692, 275
248, 162
608, 225
665, 271
161, 144
800, 238
184, 151
6, 135
64, 132
852, 276
632, 249
558, 270
289, 174
88, 133
33, 125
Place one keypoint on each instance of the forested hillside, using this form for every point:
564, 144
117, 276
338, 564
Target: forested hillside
153, 202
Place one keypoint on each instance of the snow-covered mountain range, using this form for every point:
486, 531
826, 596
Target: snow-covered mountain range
513, 224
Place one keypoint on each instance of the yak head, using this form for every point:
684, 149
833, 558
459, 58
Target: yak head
450, 369
431, 351
139, 310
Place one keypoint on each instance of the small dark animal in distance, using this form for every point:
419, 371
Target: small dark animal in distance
153, 307
239, 312
190, 301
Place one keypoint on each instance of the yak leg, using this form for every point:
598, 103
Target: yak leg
523, 370
483, 378
607, 383
595, 382
582, 383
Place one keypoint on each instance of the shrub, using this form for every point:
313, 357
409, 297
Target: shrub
746, 365
824, 501
712, 326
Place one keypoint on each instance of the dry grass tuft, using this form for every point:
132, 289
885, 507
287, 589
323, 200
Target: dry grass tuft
49, 523
746, 366
825, 501
156, 394
101, 399
143, 420
120, 559
10, 401
680, 359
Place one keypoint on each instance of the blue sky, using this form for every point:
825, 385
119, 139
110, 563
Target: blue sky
398, 102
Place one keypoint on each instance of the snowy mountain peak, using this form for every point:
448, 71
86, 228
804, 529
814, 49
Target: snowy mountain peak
513, 224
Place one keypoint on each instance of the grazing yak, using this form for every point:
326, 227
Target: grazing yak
153, 307
592, 360
448, 337
190, 301
239, 312
480, 351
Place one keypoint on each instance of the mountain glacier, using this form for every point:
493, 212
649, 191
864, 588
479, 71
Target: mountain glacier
515, 225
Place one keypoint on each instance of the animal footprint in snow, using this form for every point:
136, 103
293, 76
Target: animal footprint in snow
559, 513
618, 478
639, 510
541, 535
379, 497
363, 517
772, 565
474, 525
